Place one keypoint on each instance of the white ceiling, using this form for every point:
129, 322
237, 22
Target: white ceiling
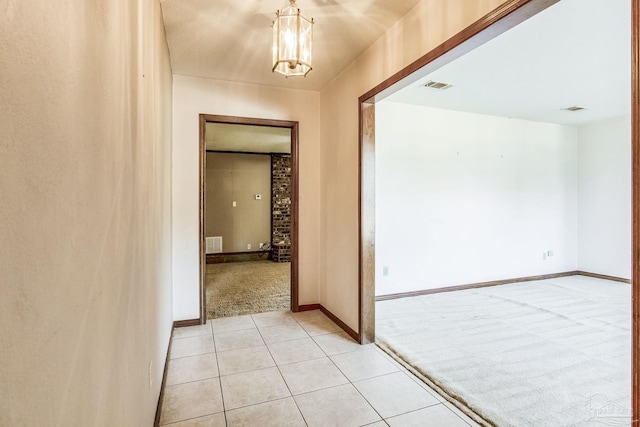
247, 138
575, 53
231, 39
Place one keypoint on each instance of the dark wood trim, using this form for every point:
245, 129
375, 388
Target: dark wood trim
353, 334
247, 152
635, 176
603, 276
201, 229
473, 286
187, 322
496, 22
308, 307
294, 126
295, 213
156, 422
259, 251
366, 219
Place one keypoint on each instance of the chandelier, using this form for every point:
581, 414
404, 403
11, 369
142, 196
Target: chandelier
292, 38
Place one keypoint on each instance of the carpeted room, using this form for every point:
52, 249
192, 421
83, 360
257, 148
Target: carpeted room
486, 182
247, 218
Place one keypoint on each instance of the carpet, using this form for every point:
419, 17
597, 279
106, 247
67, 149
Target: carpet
554, 353
234, 289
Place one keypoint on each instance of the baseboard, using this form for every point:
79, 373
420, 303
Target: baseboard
164, 379
603, 276
185, 323
221, 258
474, 286
353, 334
308, 307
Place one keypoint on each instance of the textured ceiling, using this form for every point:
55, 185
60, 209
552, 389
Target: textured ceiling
575, 53
231, 40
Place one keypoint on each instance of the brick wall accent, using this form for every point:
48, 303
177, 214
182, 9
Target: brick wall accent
281, 207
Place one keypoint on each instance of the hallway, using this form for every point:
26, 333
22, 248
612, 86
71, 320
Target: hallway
291, 369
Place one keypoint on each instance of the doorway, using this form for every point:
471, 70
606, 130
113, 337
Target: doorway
279, 241
510, 14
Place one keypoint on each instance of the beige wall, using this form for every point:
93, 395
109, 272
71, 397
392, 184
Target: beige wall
85, 211
238, 178
193, 96
426, 26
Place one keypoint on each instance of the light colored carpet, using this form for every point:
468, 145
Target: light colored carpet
238, 288
544, 353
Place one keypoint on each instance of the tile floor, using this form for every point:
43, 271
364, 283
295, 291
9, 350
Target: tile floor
291, 369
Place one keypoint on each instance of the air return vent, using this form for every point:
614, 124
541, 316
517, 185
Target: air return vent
213, 245
437, 85
574, 108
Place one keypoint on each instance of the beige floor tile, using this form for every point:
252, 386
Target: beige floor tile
461, 414
307, 315
312, 375
191, 331
191, 346
336, 406
283, 332
295, 351
433, 416
277, 413
237, 339
228, 324
337, 343
191, 400
360, 365
263, 320
192, 368
244, 359
215, 420
319, 326
250, 388
394, 394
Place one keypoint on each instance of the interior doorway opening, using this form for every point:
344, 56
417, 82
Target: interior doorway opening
248, 215
507, 16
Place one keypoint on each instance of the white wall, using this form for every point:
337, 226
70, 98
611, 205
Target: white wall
85, 211
193, 96
604, 198
465, 198
430, 23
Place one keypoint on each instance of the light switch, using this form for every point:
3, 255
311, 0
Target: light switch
234, 203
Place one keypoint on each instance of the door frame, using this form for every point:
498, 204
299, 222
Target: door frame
293, 126
506, 16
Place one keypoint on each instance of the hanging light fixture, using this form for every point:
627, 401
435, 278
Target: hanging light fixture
292, 38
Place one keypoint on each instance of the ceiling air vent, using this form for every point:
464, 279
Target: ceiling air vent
437, 85
574, 108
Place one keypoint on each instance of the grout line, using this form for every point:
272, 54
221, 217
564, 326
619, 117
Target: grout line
288, 388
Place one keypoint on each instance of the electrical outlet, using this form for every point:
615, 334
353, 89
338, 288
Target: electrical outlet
150, 374
249, 246
385, 270
549, 253
544, 255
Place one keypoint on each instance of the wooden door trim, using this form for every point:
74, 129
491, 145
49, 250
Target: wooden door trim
506, 16
293, 125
